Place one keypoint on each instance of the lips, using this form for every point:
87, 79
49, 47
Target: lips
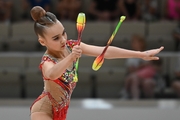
63, 46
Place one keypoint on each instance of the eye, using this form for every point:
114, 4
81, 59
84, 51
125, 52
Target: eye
56, 38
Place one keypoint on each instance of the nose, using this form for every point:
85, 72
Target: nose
63, 39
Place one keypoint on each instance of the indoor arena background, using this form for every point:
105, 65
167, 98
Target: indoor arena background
98, 94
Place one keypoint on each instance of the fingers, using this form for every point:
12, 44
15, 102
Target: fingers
151, 54
76, 51
161, 48
77, 48
155, 58
151, 58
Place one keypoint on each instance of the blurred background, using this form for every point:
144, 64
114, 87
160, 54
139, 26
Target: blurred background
122, 88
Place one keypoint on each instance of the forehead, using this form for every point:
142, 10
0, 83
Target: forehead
55, 29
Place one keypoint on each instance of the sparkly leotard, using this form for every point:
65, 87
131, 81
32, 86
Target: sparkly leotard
55, 98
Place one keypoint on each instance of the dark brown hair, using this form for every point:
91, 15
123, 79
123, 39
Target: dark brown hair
140, 39
42, 19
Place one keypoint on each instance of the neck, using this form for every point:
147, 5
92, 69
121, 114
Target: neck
58, 54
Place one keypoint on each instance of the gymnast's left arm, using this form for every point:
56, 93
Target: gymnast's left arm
116, 52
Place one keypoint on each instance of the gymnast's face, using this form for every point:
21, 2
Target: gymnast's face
54, 38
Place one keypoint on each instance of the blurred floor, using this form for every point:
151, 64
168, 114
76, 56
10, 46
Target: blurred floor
100, 109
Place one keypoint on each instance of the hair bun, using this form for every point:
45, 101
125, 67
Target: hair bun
37, 12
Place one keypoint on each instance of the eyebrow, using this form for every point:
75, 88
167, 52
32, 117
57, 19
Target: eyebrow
55, 36
58, 34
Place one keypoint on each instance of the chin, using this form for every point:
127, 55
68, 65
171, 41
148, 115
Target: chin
62, 49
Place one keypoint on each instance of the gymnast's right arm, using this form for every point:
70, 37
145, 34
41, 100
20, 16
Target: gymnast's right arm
53, 71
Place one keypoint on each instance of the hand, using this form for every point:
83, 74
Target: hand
76, 52
150, 54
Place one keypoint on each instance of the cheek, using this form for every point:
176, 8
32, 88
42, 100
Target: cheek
53, 44
56, 44
66, 36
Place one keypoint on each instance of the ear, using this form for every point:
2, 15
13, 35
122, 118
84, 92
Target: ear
42, 42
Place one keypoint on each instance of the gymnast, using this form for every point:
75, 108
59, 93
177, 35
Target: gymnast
59, 64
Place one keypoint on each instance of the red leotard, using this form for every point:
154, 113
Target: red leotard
55, 98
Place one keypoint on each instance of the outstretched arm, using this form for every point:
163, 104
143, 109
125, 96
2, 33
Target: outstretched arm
115, 52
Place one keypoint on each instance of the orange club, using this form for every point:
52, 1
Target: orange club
100, 59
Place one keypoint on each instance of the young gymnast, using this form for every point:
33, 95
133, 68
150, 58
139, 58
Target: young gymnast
59, 61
